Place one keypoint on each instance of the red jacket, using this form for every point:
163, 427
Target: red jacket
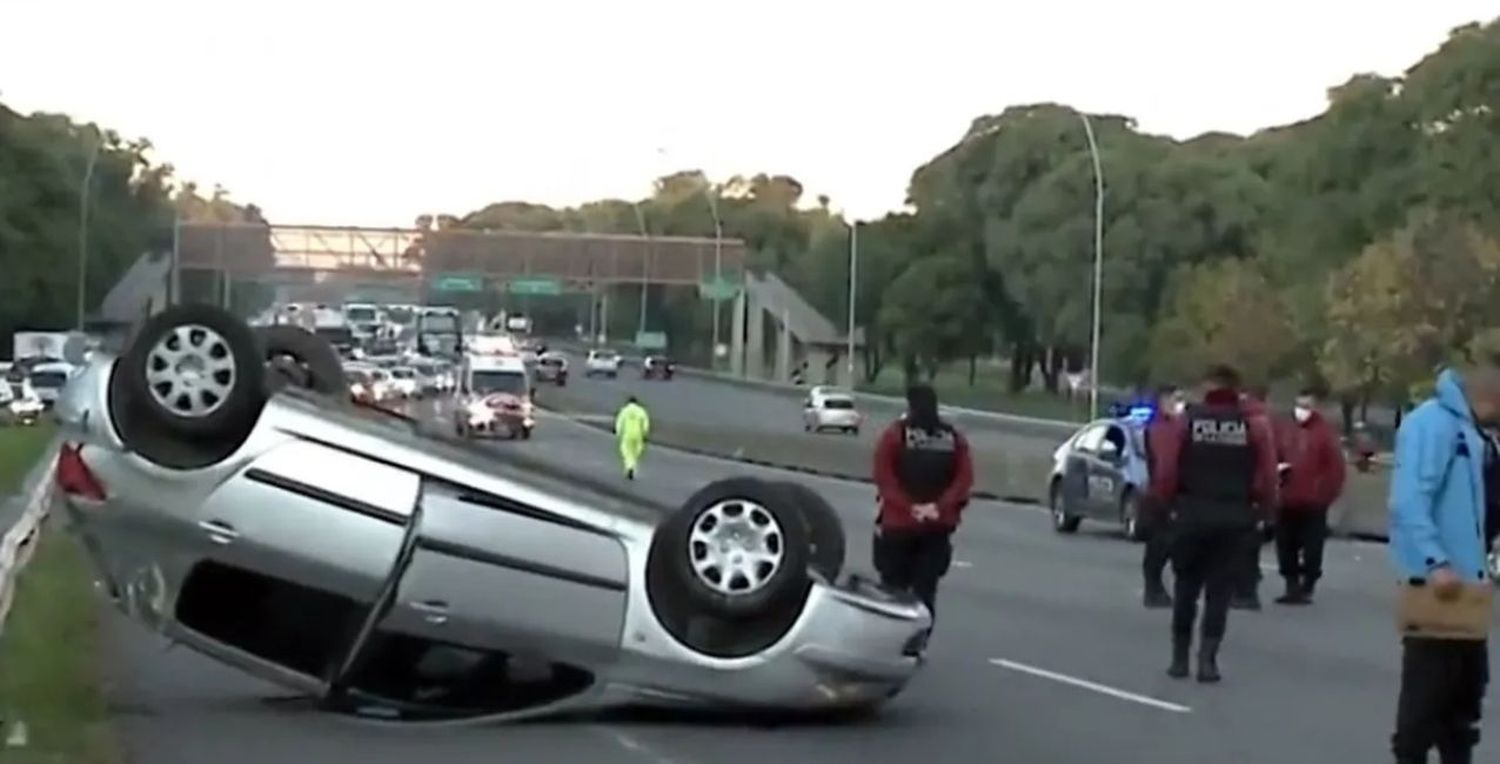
1317, 475
1166, 453
896, 505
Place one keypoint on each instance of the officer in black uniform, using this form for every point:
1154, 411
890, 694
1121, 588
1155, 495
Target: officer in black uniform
1216, 471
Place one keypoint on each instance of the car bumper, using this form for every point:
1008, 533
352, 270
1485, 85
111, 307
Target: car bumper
837, 421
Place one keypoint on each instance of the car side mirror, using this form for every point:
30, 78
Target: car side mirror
1109, 450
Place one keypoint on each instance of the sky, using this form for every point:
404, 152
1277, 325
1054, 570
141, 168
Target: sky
371, 113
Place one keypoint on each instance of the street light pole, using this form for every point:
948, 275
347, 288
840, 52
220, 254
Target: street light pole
1094, 377
83, 230
713, 208
853, 290
640, 219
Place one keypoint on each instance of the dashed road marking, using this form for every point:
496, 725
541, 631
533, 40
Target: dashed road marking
636, 747
962, 564
1102, 689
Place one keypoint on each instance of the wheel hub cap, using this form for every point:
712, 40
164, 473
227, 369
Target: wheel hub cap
190, 371
735, 547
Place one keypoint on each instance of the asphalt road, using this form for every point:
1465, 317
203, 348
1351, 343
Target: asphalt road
1042, 654
1012, 458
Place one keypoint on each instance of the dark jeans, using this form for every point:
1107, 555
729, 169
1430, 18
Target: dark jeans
1299, 542
1204, 561
1442, 694
1157, 553
914, 561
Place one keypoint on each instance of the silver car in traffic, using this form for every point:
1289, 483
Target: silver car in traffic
235, 501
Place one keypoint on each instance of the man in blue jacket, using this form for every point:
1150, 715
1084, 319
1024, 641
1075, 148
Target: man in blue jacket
1445, 490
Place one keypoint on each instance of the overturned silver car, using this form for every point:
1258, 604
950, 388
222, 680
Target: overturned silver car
236, 501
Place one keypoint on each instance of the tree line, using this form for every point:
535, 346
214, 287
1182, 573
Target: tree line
1357, 250
132, 202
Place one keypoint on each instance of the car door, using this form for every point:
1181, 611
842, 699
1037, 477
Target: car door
295, 551
495, 574
1106, 477
1075, 480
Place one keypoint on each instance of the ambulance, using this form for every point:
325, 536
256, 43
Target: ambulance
495, 391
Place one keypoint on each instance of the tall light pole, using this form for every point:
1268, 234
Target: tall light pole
83, 229
713, 209
1094, 379
853, 290
640, 219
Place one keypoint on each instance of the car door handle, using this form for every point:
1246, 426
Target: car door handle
219, 532
434, 612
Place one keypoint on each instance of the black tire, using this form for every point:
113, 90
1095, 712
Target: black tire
525, 433
825, 531
672, 551
220, 338
296, 356
1062, 522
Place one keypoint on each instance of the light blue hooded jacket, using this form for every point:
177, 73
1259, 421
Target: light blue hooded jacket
1437, 487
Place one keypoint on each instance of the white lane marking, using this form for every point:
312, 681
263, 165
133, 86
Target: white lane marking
635, 746
962, 564
1102, 689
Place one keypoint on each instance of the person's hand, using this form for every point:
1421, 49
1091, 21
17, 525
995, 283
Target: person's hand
924, 512
1445, 583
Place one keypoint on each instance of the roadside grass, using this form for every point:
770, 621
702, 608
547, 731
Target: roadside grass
50, 645
988, 393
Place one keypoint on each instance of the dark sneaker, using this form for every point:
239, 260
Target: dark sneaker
1156, 599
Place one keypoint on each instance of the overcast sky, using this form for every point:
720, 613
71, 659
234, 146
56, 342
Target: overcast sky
372, 112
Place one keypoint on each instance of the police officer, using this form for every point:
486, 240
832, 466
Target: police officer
1170, 403
923, 477
1216, 471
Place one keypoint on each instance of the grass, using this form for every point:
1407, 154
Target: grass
50, 646
988, 393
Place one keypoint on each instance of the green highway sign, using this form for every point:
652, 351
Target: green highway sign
537, 286
458, 282
651, 340
718, 290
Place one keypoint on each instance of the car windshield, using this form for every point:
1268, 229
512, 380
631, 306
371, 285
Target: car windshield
439, 323
425, 369
379, 375
48, 378
402, 373
360, 314
512, 382
838, 403
551, 361
605, 356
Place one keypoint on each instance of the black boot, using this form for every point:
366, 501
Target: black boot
1181, 646
1308, 584
1295, 593
1246, 601
1208, 661
1156, 596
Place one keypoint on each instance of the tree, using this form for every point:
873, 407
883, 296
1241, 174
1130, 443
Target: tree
928, 312
1222, 312
1410, 303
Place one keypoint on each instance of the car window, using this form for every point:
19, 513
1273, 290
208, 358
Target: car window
1090, 438
1116, 435
844, 404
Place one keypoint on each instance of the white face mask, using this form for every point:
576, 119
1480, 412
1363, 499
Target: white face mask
1179, 406
1302, 414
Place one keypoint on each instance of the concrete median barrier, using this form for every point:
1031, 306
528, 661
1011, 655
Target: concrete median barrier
1013, 464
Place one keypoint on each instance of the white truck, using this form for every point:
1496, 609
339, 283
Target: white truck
495, 394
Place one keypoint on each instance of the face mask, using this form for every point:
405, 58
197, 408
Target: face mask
1302, 414
1179, 406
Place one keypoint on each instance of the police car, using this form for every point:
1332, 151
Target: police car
1099, 473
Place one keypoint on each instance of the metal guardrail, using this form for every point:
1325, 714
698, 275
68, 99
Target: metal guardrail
19, 541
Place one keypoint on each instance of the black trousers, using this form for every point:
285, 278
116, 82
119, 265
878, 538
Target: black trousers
1205, 560
1300, 536
1247, 575
1157, 553
1442, 694
914, 561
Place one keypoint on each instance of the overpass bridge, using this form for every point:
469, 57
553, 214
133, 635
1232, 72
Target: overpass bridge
417, 260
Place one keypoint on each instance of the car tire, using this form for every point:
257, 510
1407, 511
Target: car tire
825, 531
296, 356
1062, 522
224, 403
525, 433
679, 553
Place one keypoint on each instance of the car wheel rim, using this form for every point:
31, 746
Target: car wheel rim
736, 547
191, 371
